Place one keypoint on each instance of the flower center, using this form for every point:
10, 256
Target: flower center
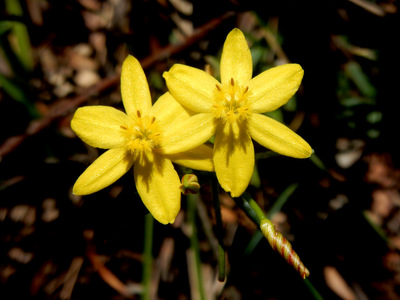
143, 134
231, 104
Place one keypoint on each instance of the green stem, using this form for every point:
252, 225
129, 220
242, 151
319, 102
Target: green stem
282, 199
245, 206
194, 242
252, 209
148, 256
219, 231
313, 290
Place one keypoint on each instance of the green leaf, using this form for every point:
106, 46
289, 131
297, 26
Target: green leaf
282, 199
355, 101
354, 71
20, 31
15, 91
374, 117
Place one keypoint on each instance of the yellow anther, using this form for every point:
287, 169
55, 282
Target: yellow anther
231, 101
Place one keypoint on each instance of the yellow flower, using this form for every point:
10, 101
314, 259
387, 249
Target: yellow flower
138, 138
232, 111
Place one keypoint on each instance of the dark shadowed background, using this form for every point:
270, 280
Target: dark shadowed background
339, 209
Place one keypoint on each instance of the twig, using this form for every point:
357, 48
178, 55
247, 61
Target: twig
58, 109
108, 276
71, 277
370, 7
274, 44
64, 106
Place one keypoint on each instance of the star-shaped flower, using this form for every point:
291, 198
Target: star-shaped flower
232, 111
138, 138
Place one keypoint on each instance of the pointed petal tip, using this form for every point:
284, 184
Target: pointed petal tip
235, 194
77, 190
297, 70
168, 74
302, 152
81, 189
235, 31
130, 59
130, 62
163, 219
308, 151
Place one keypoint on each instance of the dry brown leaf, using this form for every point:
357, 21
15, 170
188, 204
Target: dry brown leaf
165, 258
90, 4
107, 275
86, 78
381, 170
71, 277
392, 261
337, 284
382, 204
20, 255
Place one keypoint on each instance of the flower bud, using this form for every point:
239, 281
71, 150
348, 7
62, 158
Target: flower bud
281, 245
190, 184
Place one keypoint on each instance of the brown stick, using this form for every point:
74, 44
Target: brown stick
64, 106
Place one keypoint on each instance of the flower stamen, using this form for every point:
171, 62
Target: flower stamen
231, 104
143, 135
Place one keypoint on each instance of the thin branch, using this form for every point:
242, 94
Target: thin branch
370, 7
65, 106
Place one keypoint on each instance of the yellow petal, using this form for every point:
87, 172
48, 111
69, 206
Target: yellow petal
233, 158
105, 170
199, 158
134, 88
191, 87
274, 87
188, 134
277, 137
100, 126
236, 61
168, 111
158, 186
